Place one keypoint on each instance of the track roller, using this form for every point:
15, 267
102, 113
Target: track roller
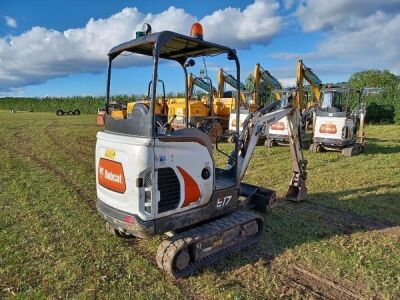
231, 139
352, 150
316, 148
269, 143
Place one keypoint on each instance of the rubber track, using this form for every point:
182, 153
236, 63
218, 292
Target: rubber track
170, 247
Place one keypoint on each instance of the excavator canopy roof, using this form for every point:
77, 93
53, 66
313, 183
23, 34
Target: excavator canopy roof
171, 45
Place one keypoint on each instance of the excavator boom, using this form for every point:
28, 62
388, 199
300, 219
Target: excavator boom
305, 73
258, 123
224, 77
201, 83
272, 83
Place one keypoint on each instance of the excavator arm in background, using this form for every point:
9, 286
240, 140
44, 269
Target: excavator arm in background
201, 83
305, 73
224, 77
255, 125
273, 84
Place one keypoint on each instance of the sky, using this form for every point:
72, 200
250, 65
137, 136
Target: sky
59, 48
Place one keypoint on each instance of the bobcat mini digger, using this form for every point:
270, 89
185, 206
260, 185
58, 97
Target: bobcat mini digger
154, 180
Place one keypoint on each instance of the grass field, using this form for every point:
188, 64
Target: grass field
343, 242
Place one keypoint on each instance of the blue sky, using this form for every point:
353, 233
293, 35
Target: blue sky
59, 47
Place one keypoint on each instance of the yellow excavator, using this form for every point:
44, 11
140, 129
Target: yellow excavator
216, 107
123, 109
259, 74
278, 133
198, 108
246, 106
224, 77
305, 73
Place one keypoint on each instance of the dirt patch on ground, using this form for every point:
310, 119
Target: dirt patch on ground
74, 154
393, 231
59, 172
314, 285
345, 221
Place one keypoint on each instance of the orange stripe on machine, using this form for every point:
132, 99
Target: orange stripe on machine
278, 126
192, 191
328, 128
111, 175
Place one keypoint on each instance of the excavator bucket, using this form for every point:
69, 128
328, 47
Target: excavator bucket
297, 191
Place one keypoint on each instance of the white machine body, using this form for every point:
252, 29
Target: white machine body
243, 113
132, 172
337, 130
280, 129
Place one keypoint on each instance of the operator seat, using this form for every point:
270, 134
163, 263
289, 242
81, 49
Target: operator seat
195, 134
333, 109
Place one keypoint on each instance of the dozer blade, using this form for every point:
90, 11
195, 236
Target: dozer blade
258, 198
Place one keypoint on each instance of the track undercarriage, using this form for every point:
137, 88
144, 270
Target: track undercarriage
186, 252
348, 151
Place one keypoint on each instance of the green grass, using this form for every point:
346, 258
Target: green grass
344, 240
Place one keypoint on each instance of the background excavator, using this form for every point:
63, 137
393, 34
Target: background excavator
153, 180
199, 108
337, 127
252, 98
210, 112
262, 75
226, 99
278, 133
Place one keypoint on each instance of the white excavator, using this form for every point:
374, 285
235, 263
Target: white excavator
337, 126
152, 180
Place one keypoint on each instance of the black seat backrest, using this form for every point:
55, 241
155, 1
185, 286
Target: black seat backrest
197, 136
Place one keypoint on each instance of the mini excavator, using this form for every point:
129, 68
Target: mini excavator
152, 180
278, 133
337, 127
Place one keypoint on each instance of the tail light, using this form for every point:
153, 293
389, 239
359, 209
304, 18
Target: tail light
278, 126
328, 128
129, 219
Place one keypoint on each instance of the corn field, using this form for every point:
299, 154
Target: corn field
86, 104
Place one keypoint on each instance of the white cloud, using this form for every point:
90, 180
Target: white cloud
257, 23
359, 35
40, 53
341, 14
10, 22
